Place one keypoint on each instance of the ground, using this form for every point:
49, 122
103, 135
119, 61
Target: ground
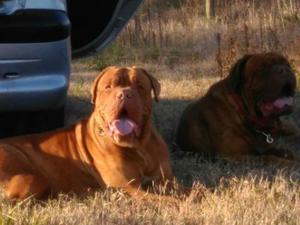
186, 56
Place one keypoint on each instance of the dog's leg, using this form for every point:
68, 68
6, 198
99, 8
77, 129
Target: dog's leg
18, 177
167, 185
289, 129
22, 186
281, 157
139, 194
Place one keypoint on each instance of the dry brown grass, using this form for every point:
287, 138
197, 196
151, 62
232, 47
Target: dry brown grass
178, 46
240, 200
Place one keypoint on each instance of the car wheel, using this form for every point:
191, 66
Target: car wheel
19, 123
48, 120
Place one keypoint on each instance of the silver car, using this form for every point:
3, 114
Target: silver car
37, 41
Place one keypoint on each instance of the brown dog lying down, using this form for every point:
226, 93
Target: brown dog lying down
240, 115
117, 146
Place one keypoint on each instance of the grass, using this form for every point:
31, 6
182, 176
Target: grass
187, 55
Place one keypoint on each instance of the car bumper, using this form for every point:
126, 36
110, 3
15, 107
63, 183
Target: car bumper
34, 93
34, 76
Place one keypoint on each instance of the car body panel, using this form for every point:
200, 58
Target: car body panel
36, 77
36, 50
8, 7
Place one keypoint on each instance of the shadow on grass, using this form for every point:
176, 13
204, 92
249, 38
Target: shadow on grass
77, 108
191, 167
23, 122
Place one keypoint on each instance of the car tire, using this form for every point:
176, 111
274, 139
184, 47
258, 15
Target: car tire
47, 120
20, 123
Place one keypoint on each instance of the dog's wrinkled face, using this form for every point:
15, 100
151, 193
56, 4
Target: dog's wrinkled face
123, 103
268, 82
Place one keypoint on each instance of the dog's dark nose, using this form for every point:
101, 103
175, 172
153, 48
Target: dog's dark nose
124, 94
287, 78
284, 70
288, 89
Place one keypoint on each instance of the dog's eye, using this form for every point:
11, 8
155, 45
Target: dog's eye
140, 87
107, 87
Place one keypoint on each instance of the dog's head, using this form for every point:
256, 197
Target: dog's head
123, 103
266, 82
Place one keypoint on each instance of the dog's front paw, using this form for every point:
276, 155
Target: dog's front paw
289, 129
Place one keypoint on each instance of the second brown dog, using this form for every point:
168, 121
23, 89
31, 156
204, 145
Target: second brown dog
240, 115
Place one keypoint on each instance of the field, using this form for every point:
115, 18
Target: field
187, 53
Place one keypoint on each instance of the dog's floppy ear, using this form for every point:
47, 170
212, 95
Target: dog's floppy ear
96, 82
154, 83
236, 75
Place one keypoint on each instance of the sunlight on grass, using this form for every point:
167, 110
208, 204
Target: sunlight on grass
187, 58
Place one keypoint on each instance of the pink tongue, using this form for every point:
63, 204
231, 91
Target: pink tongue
122, 126
277, 105
282, 102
